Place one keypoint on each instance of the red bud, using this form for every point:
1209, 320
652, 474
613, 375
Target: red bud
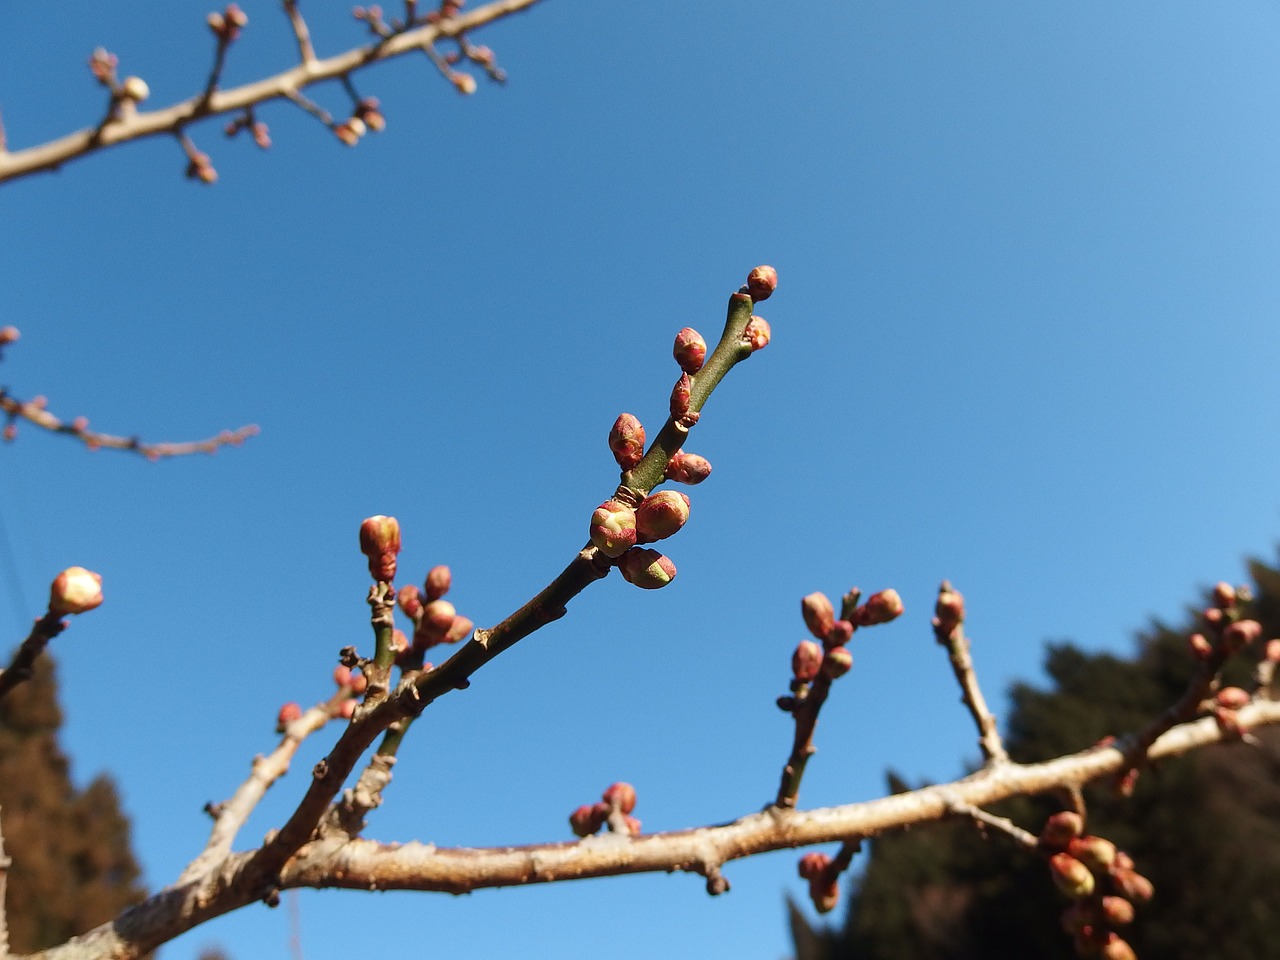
690, 350
661, 515
880, 608
761, 282
819, 615
647, 568
623, 794
380, 542
806, 661
439, 580
688, 468
626, 440
613, 528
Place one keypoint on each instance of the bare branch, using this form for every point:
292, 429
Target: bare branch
170, 120
948, 629
24, 658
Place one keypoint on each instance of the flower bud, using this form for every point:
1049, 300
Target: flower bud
465, 83
1233, 698
1200, 646
437, 619
757, 333
1240, 634
819, 615
880, 608
761, 282
633, 826
688, 468
949, 610
380, 542
837, 662
460, 629
74, 590
1273, 650
1116, 949
1060, 829
814, 865
439, 580
1132, 884
349, 131
806, 661
1070, 876
359, 683
1224, 595
841, 632
825, 896
1228, 722
661, 515
135, 89
626, 440
1096, 853
613, 528
8, 335
342, 675
1117, 911
647, 568
621, 794
690, 350
587, 819
680, 396
347, 709
288, 713
409, 600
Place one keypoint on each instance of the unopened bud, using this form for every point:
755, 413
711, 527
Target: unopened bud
841, 632
813, 865
1070, 876
409, 599
1273, 650
1061, 828
690, 350
359, 683
1132, 884
761, 282
1233, 698
647, 568
216, 23
465, 83
661, 515
633, 826
621, 794
342, 675
439, 580
837, 662
348, 132
1224, 595
460, 629
757, 333
8, 335
949, 610
819, 615
347, 709
380, 542
626, 440
613, 528
680, 396
135, 89
74, 590
688, 468
1116, 949
1240, 634
1200, 646
1096, 853
880, 608
288, 713
588, 819
824, 894
437, 618
1228, 722
806, 661
1117, 911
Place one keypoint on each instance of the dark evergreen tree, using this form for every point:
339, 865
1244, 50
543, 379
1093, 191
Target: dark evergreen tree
72, 866
1205, 828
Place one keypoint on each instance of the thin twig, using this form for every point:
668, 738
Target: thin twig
949, 631
802, 748
1022, 838
306, 52
55, 153
24, 658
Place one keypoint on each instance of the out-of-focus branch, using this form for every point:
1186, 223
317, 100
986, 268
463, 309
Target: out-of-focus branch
134, 125
948, 629
5, 863
24, 658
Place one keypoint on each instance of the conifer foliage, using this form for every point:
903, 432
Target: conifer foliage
71, 863
1204, 827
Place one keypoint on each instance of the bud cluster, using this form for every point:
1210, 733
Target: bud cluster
824, 891
616, 529
1099, 880
1226, 632
257, 129
226, 26
435, 620
614, 808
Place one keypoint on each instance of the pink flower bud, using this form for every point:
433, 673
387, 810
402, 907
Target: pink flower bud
1116, 949
1070, 876
347, 709
841, 632
380, 542
880, 608
949, 610
1228, 722
1233, 698
465, 83
409, 599
439, 580
359, 683
626, 440
757, 333
623, 794
633, 826
1061, 828
761, 282
688, 468
647, 568
1200, 646
661, 515
680, 396
460, 629
1117, 911
819, 615
74, 590
288, 713
8, 335
1273, 650
1240, 634
824, 894
342, 675
135, 89
613, 528
806, 661
1096, 853
349, 131
1224, 595
437, 619
690, 350
1132, 884
587, 819
814, 865
837, 662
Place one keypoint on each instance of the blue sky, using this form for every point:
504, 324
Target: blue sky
1024, 339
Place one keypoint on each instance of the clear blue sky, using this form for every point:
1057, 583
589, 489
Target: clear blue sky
1025, 339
